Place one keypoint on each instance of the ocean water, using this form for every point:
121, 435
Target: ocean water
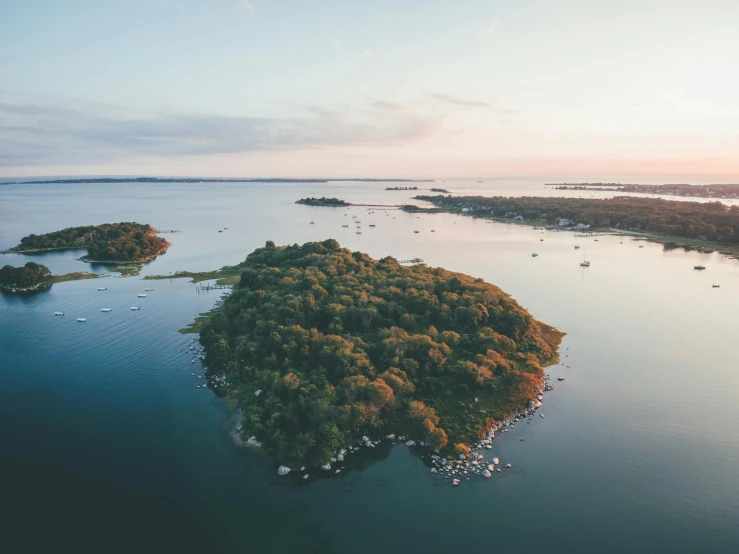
108, 445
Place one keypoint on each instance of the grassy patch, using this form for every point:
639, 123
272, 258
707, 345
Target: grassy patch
227, 275
128, 270
76, 276
196, 325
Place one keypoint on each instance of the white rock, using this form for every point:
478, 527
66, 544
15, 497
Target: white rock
326, 467
365, 438
508, 466
487, 474
302, 468
333, 459
258, 392
434, 470
305, 476
252, 441
338, 471
496, 461
410, 443
340, 457
391, 437
283, 470
491, 467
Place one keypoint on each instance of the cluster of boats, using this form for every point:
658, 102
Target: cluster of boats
106, 310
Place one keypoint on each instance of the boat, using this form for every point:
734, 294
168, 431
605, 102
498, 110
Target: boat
135, 308
106, 310
534, 255
149, 290
716, 286
416, 231
58, 313
371, 225
312, 222
81, 319
433, 231
359, 232
577, 247
699, 267
142, 295
585, 264
102, 288
345, 226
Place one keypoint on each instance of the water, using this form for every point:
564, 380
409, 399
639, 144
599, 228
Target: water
108, 445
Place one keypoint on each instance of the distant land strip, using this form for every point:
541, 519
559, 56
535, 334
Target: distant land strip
113, 180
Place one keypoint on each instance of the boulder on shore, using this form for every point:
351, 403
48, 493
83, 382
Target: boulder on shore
283, 470
410, 443
487, 474
496, 461
326, 467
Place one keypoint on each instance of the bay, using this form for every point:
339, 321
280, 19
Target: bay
109, 445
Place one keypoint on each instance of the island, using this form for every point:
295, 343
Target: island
440, 190
34, 277
120, 180
688, 225
323, 201
115, 243
728, 191
323, 349
401, 188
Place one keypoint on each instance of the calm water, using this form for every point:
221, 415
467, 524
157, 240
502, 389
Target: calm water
107, 445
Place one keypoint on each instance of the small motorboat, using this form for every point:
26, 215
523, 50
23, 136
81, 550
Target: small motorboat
371, 225
433, 231
359, 232
102, 288
585, 264
716, 286
135, 308
416, 231
312, 222
58, 313
345, 226
149, 290
577, 247
142, 295
81, 319
699, 267
534, 255
106, 310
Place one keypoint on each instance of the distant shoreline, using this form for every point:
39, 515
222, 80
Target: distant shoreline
115, 180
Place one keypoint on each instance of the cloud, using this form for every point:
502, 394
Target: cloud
368, 54
248, 6
451, 99
34, 135
490, 30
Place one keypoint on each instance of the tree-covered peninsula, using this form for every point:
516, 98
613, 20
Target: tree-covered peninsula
111, 242
707, 221
34, 277
320, 346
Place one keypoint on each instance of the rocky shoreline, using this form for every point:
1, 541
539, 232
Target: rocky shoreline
459, 469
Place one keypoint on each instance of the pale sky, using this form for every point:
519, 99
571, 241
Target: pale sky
371, 88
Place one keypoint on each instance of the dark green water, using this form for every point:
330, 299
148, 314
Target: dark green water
107, 445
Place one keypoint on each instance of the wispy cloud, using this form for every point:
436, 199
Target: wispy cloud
37, 135
451, 99
490, 30
248, 6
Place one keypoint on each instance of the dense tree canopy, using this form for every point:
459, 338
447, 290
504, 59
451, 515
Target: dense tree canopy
120, 242
29, 275
706, 220
323, 201
321, 345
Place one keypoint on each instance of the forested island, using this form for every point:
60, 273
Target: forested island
323, 201
34, 277
127, 242
320, 347
440, 190
401, 188
696, 191
706, 221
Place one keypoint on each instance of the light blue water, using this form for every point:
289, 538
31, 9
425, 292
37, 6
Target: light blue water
108, 445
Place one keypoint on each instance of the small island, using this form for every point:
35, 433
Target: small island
323, 201
401, 188
440, 190
322, 348
34, 277
115, 243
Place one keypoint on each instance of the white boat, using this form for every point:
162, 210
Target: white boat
58, 313
106, 310
102, 288
142, 295
135, 308
81, 319
149, 290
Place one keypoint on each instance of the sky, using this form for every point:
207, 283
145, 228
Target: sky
597, 89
